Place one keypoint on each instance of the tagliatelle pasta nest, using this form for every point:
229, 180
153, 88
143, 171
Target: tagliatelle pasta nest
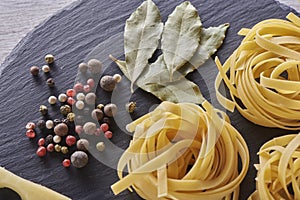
183, 151
278, 171
264, 74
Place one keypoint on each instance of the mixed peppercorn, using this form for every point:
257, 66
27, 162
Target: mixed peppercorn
80, 116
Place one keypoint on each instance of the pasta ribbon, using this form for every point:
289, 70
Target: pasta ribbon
183, 151
264, 74
278, 171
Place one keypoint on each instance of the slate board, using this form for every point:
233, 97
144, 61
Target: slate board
71, 36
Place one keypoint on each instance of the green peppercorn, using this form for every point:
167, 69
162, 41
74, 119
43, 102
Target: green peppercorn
71, 117
65, 109
49, 58
43, 110
100, 106
130, 107
57, 148
64, 150
50, 82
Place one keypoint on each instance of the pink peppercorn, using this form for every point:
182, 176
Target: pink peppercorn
78, 87
30, 125
86, 88
41, 142
104, 127
71, 93
91, 82
41, 151
30, 133
50, 147
66, 163
71, 101
70, 140
108, 134
78, 129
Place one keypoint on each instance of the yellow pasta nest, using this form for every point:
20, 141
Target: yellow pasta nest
279, 170
182, 151
264, 74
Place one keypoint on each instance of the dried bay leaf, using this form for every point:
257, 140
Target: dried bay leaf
211, 39
158, 72
181, 35
182, 90
141, 37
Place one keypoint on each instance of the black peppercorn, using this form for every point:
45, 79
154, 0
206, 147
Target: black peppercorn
65, 120
41, 124
56, 121
43, 110
49, 139
106, 120
50, 82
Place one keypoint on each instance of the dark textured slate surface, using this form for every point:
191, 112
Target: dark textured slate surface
71, 35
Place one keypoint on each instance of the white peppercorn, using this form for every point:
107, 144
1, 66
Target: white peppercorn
117, 78
49, 124
80, 96
56, 139
52, 100
46, 68
79, 105
62, 98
